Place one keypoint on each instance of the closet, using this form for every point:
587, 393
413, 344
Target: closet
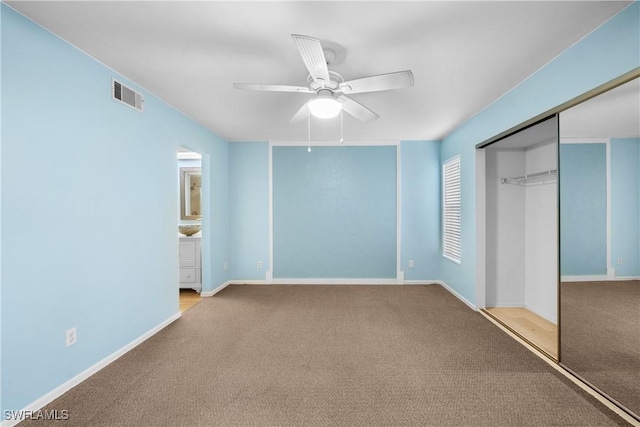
558, 236
521, 220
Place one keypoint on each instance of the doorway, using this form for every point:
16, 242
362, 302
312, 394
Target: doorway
191, 212
521, 234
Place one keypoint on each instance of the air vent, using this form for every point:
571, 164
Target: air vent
127, 96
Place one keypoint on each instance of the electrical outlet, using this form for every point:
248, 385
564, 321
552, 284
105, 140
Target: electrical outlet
410, 263
71, 336
226, 265
259, 264
619, 261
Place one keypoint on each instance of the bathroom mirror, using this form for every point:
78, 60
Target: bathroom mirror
190, 193
599, 173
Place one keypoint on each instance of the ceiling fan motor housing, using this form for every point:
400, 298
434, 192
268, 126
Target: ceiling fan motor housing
335, 79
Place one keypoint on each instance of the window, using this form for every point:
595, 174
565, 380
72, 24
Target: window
451, 209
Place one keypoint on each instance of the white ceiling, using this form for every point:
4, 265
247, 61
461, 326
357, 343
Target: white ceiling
464, 56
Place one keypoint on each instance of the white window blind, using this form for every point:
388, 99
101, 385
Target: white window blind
451, 209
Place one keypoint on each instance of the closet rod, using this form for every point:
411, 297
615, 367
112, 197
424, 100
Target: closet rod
538, 178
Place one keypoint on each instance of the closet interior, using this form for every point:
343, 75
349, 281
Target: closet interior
521, 195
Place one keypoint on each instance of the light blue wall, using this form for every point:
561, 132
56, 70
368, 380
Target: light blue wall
218, 166
249, 209
420, 184
89, 207
608, 52
583, 209
625, 206
334, 212
249, 215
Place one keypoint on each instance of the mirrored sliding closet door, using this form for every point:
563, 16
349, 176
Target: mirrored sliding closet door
599, 200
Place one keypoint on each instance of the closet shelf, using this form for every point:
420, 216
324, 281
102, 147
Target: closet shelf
538, 178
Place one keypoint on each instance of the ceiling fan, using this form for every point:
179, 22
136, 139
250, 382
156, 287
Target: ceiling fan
329, 86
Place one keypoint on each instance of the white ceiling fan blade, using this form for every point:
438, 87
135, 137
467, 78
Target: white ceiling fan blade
302, 113
380, 82
357, 110
272, 88
313, 57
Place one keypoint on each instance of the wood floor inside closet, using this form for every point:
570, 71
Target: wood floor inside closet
188, 298
540, 332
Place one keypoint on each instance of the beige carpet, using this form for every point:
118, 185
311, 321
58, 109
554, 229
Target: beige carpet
330, 355
601, 336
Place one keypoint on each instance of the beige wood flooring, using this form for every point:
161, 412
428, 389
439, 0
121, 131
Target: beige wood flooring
188, 298
540, 332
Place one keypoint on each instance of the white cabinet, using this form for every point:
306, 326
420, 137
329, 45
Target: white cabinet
190, 263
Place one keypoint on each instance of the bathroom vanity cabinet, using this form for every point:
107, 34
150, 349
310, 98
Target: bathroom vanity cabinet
190, 262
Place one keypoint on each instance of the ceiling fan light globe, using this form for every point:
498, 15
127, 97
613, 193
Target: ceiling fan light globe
325, 107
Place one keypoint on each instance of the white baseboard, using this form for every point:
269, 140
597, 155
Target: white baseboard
287, 281
457, 295
247, 282
63, 388
215, 291
599, 278
318, 282
421, 282
231, 282
591, 278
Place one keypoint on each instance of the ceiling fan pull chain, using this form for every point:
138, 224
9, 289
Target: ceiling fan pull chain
341, 130
309, 129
